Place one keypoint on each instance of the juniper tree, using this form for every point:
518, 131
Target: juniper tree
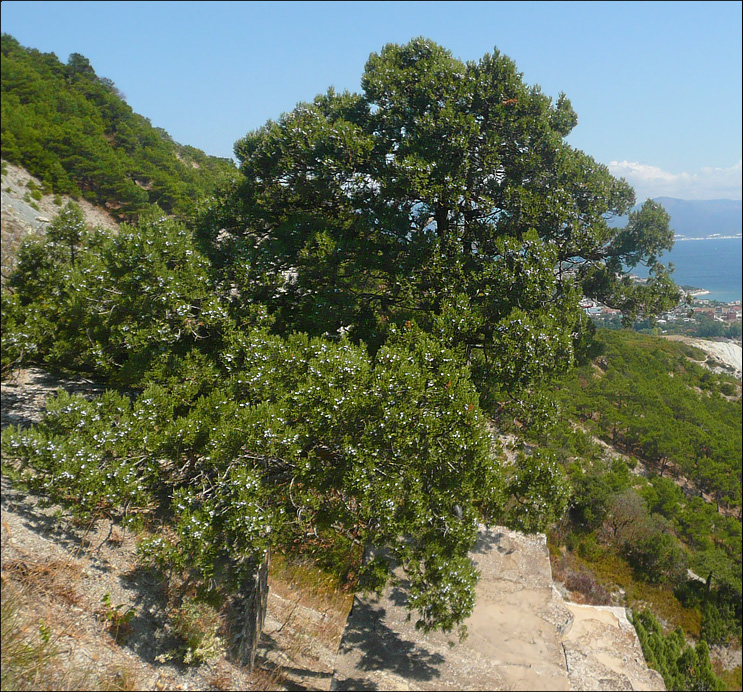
441, 220
443, 193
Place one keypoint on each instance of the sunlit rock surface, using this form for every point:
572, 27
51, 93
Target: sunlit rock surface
522, 635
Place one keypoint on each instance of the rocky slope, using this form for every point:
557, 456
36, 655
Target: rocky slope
57, 572
523, 635
724, 356
21, 219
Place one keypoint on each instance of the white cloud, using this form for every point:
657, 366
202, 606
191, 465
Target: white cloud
708, 183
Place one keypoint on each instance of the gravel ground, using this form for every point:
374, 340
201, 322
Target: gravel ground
60, 571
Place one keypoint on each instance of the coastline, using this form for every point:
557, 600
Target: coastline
709, 264
678, 238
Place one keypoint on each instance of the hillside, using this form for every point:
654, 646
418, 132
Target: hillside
696, 218
702, 218
52, 563
57, 572
74, 131
334, 370
651, 439
23, 215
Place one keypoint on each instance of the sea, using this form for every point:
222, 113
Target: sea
712, 264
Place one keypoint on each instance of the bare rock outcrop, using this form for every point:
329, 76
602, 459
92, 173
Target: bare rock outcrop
602, 651
522, 635
20, 219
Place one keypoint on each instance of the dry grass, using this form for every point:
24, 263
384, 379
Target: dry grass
313, 609
116, 538
30, 652
120, 679
605, 572
732, 679
220, 680
319, 590
52, 578
29, 655
36, 635
263, 679
581, 582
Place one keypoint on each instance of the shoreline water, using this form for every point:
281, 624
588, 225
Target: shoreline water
707, 264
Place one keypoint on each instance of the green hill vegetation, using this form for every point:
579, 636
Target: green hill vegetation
672, 503
75, 132
316, 354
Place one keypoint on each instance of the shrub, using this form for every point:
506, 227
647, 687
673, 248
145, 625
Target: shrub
198, 625
658, 557
584, 582
117, 617
683, 667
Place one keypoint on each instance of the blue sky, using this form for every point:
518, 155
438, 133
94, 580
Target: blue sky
656, 85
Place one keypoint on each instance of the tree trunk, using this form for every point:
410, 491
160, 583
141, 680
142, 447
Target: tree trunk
250, 614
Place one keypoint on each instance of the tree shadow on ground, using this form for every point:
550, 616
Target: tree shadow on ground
57, 525
490, 540
289, 673
146, 634
383, 649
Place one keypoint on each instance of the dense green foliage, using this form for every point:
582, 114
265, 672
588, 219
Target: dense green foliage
685, 421
247, 438
74, 131
444, 195
111, 305
650, 398
318, 356
683, 667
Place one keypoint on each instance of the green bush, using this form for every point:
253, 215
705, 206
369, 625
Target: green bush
683, 667
198, 624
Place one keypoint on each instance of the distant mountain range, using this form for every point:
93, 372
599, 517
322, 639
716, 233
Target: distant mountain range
701, 218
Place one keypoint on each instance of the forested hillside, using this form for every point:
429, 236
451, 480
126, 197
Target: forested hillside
327, 352
665, 499
74, 130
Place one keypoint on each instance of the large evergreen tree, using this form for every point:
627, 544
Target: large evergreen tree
443, 194
441, 219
